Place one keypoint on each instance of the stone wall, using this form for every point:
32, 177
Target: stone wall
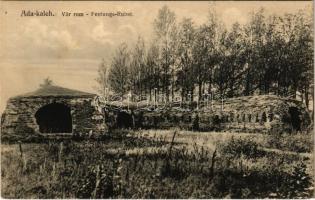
246, 114
265, 113
19, 115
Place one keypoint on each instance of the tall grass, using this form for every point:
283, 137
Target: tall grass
146, 165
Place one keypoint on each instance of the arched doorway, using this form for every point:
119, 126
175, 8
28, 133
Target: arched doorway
54, 118
124, 120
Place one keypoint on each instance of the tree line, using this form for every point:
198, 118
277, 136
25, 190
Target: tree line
270, 54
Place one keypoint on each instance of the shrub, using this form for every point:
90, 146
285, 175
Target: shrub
241, 146
295, 184
216, 121
300, 143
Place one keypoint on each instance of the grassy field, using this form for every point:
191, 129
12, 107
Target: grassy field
161, 164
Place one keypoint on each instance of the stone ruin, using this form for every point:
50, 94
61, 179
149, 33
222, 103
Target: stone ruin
263, 113
51, 110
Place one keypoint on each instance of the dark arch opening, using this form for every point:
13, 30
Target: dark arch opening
175, 119
244, 118
257, 118
270, 116
295, 118
124, 120
189, 118
54, 118
232, 117
263, 117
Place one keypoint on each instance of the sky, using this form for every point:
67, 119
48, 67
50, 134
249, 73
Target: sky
69, 50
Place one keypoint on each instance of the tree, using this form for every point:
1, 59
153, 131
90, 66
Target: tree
301, 54
102, 78
268, 55
220, 70
165, 32
233, 62
153, 76
118, 74
255, 33
185, 60
137, 67
204, 57
207, 51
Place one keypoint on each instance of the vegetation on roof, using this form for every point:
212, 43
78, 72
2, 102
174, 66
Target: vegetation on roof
48, 89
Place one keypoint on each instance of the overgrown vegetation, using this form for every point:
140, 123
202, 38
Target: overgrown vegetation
141, 165
238, 147
300, 142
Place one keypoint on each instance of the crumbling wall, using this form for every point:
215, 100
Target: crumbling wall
19, 115
265, 113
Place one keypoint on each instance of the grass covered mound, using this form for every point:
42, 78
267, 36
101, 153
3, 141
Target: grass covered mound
146, 165
52, 90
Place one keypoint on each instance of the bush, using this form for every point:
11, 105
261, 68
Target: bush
216, 121
295, 184
241, 146
300, 143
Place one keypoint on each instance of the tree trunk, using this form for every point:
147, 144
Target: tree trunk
306, 97
210, 82
200, 90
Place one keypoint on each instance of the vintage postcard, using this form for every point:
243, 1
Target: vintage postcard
157, 99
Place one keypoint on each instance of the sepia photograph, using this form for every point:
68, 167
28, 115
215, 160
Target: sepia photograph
157, 99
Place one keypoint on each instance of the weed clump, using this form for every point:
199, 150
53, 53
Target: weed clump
237, 147
300, 142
